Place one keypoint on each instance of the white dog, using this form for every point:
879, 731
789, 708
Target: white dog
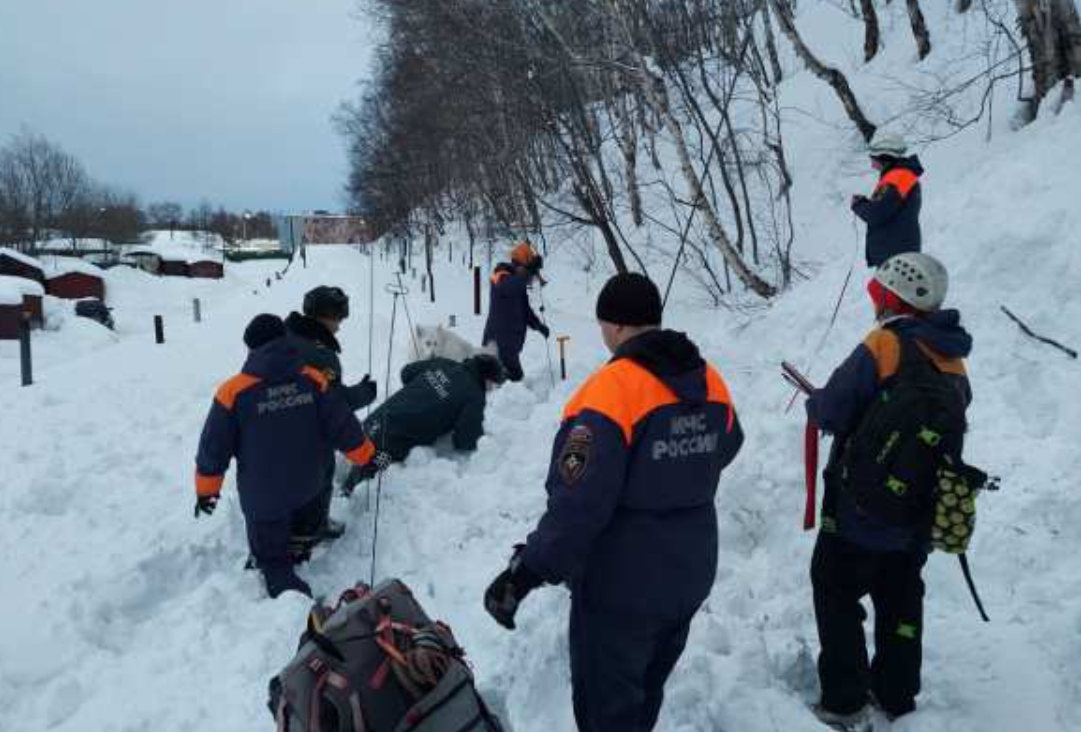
436, 341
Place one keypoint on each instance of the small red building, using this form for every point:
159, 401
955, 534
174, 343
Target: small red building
206, 268
17, 264
73, 279
173, 268
19, 298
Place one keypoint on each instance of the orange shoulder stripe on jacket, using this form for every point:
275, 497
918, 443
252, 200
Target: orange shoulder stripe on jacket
625, 392
208, 485
363, 454
886, 349
231, 389
718, 393
317, 376
499, 276
903, 179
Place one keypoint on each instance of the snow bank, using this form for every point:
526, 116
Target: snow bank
12, 289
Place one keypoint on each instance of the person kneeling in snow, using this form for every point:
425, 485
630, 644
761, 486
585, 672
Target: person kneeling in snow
438, 396
280, 420
863, 549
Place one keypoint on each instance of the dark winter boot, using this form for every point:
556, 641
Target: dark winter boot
283, 579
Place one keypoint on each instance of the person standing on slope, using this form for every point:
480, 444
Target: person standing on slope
862, 552
892, 213
280, 419
438, 396
630, 525
509, 312
314, 334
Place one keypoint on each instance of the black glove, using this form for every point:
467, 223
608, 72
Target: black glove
360, 473
543, 330
205, 504
535, 265
363, 392
507, 591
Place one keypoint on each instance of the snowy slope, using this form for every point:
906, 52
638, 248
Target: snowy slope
120, 611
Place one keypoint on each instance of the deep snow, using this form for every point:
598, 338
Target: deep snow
120, 611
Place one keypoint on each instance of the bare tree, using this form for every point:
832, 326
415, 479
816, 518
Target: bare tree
919, 28
783, 10
872, 37
40, 182
1052, 31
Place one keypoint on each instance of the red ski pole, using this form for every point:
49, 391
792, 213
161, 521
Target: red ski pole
810, 462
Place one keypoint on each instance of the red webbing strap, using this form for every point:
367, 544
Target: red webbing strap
810, 463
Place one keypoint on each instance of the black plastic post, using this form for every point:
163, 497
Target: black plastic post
197, 310
159, 329
563, 357
476, 290
24, 351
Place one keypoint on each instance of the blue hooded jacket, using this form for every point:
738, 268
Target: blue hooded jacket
280, 420
892, 213
631, 524
509, 312
839, 407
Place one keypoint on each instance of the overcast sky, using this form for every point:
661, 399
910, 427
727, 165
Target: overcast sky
224, 100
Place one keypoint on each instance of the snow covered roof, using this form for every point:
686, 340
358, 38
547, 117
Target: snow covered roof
174, 254
12, 289
20, 257
66, 265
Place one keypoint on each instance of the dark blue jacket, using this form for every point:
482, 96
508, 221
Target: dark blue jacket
509, 312
892, 213
839, 407
631, 524
280, 420
319, 349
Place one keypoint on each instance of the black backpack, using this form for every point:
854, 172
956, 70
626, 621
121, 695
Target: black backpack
890, 466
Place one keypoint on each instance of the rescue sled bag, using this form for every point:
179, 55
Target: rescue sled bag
377, 663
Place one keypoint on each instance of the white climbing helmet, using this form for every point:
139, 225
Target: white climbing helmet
918, 279
887, 144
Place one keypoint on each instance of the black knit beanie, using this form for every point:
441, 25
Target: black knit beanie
629, 299
262, 330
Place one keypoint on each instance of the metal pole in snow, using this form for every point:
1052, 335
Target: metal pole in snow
159, 329
196, 310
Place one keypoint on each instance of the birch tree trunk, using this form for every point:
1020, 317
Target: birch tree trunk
783, 10
1052, 31
871, 36
919, 28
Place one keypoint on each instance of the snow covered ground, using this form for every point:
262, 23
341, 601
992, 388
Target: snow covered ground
121, 612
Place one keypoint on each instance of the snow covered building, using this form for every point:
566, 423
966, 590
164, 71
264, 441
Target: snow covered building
17, 264
19, 298
73, 279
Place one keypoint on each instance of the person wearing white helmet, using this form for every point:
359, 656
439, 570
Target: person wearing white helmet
859, 553
892, 212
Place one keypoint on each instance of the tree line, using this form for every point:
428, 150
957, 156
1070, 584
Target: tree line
622, 118
46, 195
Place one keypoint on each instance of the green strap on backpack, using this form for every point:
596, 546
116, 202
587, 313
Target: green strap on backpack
903, 464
